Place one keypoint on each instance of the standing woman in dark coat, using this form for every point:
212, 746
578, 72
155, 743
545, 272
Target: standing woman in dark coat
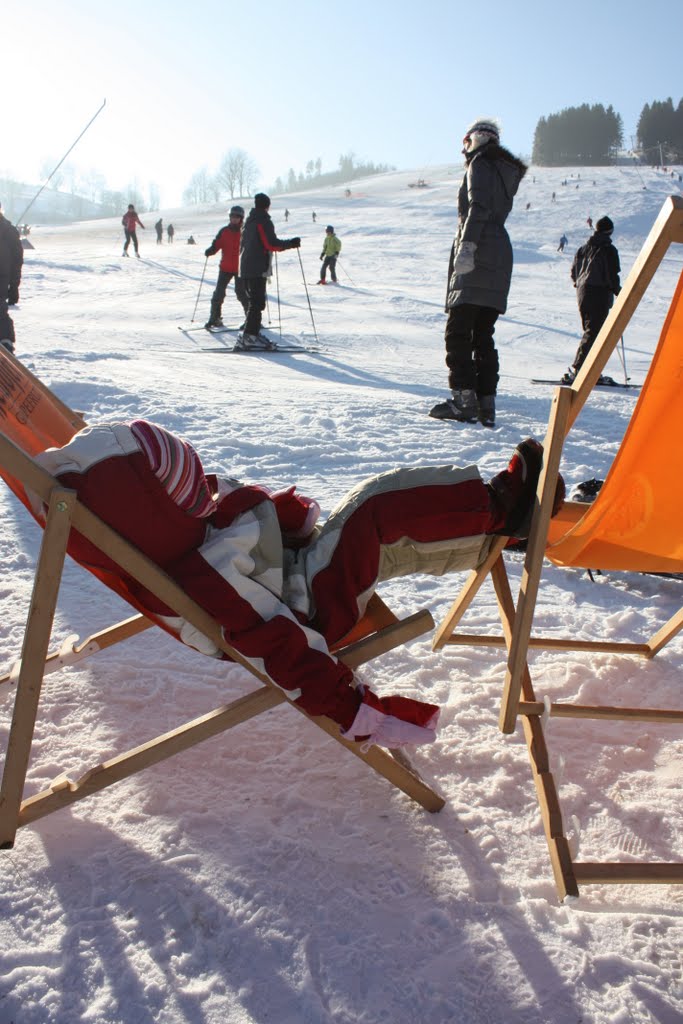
479, 274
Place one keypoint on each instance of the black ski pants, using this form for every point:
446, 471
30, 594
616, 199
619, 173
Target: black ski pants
224, 279
331, 263
6, 322
255, 288
471, 355
130, 237
594, 304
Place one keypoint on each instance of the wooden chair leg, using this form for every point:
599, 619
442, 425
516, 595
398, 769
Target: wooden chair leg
467, 594
534, 559
36, 641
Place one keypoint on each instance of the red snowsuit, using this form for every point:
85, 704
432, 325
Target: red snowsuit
280, 589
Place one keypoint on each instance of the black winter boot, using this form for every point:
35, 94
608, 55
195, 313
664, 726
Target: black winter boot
487, 410
514, 490
463, 407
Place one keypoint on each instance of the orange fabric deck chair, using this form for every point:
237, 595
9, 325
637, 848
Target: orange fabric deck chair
32, 418
634, 524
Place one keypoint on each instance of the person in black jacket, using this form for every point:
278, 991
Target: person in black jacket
479, 275
595, 273
259, 242
11, 262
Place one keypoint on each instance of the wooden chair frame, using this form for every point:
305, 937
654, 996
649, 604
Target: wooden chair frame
518, 697
65, 512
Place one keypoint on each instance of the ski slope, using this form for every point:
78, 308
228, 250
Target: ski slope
265, 875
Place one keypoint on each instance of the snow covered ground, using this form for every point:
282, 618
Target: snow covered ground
266, 875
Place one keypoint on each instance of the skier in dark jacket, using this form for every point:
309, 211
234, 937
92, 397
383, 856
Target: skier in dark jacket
159, 228
227, 241
479, 274
259, 242
11, 262
595, 273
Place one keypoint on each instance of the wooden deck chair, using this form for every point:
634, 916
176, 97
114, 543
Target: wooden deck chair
634, 524
31, 419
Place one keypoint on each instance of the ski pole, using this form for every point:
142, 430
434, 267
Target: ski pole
308, 298
622, 356
346, 273
199, 290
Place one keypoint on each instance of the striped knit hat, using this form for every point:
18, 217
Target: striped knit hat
177, 466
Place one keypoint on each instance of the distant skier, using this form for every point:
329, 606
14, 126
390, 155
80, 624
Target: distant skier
259, 242
170, 232
589, 222
227, 241
129, 220
191, 240
479, 274
11, 263
563, 241
286, 216
314, 217
331, 249
159, 228
595, 273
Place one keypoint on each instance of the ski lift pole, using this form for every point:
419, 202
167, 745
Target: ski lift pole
46, 183
199, 290
308, 298
346, 273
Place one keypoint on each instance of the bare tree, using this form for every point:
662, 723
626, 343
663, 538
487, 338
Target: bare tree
237, 173
199, 188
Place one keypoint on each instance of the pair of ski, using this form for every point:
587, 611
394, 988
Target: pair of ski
274, 348
603, 382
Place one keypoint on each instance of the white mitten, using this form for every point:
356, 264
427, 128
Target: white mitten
393, 721
464, 259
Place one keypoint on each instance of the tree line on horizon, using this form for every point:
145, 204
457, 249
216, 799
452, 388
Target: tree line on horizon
592, 135
237, 175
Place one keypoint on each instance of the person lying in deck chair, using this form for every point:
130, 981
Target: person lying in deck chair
283, 588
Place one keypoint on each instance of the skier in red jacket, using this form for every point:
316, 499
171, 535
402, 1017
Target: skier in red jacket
129, 220
283, 590
228, 242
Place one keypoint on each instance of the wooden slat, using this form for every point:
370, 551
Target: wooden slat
619, 873
669, 630
36, 641
553, 644
96, 642
603, 712
401, 632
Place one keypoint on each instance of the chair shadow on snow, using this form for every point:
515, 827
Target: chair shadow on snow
160, 942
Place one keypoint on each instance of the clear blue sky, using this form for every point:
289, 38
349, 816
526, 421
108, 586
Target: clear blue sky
393, 82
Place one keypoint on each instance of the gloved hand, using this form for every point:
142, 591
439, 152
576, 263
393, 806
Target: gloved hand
208, 252
322, 255
295, 243
12, 294
464, 260
297, 514
393, 721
